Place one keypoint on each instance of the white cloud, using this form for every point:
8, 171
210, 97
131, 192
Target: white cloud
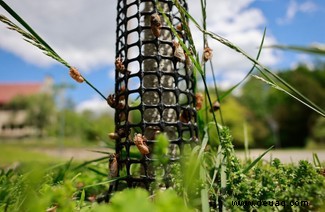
83, 32
243, 26
294, 8
96, 105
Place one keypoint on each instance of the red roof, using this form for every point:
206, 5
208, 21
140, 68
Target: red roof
10, 90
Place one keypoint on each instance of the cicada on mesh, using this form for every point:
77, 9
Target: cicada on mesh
155, 24
140, 141
113, 165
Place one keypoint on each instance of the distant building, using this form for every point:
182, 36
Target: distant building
13, 122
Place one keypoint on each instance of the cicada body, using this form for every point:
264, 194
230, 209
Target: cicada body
113, 165
215, 106
111, 100
155, 22
179, 52
140, 141
207, 54
113, 136
119, 65
199, 101
185, 116
74, 73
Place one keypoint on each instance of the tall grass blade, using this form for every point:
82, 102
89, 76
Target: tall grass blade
97, 171
82, 199
90, 161
250, 71
319, 111
204, 191
316, 160
104, 183
314, 49
246, 142
256, 161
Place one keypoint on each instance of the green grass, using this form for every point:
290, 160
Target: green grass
13, 153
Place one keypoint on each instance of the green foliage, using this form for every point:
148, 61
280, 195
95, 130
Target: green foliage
84, 126
274, 115
161, 150
235, 116
318, 131
279, 182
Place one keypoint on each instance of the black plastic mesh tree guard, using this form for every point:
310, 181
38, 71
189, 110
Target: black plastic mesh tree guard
157, 91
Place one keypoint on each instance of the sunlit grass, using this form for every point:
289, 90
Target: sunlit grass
15, 154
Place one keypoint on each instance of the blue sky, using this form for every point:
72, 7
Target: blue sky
90, 45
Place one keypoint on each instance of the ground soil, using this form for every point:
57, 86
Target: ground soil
286, 156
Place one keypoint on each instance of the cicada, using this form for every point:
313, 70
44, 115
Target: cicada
199, 101
179, 27
179, 52
121, 132
207, 54
111, 100
140, 141
155, 22
74, 73
113, 136
113, 165
119, 65
122, 116
215, 106
185, 116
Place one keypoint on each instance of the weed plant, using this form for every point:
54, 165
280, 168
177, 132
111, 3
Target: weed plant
208, 177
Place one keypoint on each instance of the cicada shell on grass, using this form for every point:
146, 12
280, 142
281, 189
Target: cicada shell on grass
215, 106
75, 74
207, 54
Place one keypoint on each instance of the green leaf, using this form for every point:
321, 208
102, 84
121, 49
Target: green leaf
82, 199
256, 160
131, 200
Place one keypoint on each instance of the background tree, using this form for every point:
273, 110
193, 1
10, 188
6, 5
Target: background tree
40, 111
279, 119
